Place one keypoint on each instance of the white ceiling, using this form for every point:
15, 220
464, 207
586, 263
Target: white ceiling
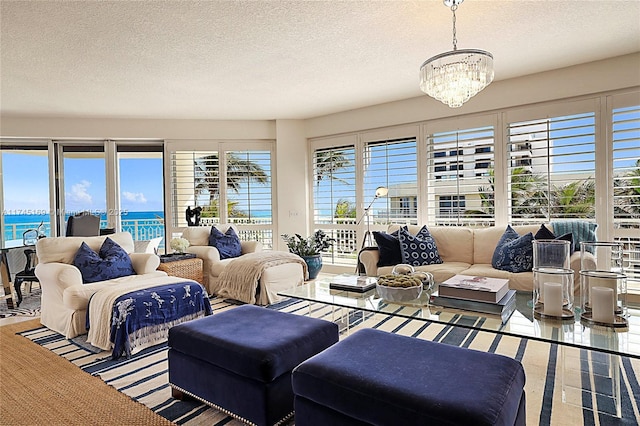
276, 59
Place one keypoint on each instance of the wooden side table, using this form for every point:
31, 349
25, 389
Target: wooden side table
185, 268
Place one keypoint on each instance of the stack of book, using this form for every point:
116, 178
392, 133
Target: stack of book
357, 283
480, 294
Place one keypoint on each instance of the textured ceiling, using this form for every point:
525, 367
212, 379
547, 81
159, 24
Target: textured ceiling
276, 59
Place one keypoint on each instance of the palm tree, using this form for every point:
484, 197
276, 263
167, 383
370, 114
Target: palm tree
627, 193
207, 175
574, 199
345, 209
328, 162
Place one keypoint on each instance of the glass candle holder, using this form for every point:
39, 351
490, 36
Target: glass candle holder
553, 293
604, 298
552, 279
601, 256
551, 254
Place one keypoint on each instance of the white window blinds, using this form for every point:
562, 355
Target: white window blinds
461, 168
392, 164
551, 168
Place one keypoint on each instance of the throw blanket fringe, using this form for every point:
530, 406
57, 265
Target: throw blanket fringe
101, 306
149, 336
239, 279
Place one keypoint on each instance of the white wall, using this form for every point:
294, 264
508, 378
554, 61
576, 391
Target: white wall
104, 128
612, 74
292, 188
291, 135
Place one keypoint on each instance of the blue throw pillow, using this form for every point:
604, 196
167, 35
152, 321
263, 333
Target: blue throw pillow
545, 234
388, 248
513, 253
228, 244
418, 250
110, 262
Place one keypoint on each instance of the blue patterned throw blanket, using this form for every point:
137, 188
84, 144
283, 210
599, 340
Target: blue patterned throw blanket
142, 318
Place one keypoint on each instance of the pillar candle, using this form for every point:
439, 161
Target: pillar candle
607, 282
552, 299
603, 305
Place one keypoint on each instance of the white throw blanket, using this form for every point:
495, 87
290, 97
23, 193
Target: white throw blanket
101, 307
239, 279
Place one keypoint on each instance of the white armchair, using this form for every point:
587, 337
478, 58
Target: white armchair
198, 237
64, 296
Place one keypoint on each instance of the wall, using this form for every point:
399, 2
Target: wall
291, 135
612, 74
102, 128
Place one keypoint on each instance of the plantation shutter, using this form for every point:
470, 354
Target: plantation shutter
195, 182
334, 200
551, 168
249, 190
460, 167
625, 134
392, 164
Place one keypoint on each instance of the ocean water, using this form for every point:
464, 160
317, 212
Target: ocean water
16, 224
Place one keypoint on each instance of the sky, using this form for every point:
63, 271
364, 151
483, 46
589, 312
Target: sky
141, 186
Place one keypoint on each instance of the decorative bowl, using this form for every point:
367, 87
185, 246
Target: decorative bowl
399, 294
399, 288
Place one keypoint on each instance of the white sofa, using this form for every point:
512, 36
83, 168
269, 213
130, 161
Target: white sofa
275, 278
467, 251
64, 296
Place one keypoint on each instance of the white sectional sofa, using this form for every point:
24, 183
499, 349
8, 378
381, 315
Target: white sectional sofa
466, 251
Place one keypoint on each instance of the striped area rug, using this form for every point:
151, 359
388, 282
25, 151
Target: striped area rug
144, 377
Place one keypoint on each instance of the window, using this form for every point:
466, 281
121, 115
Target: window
249, 187
451, 205
334, 198
626, 187
242, 183
392, 164
555, 179
85, 180
467, 196
25, 186
141, 191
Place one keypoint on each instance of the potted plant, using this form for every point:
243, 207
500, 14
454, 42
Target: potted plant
310, 249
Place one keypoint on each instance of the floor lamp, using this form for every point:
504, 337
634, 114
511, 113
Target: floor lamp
381, 191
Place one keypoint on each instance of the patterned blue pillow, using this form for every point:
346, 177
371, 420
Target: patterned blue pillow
513, 253
110, 262
419, 250
228, 244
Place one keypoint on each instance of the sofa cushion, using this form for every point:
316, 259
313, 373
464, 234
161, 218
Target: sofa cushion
228, 244
545, 234
420, 249
109, 263
388, 248
514, 253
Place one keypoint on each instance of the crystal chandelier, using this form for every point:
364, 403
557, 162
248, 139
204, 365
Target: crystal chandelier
454, 77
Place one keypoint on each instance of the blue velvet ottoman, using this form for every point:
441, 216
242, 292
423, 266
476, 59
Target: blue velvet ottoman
240, 360
374, 377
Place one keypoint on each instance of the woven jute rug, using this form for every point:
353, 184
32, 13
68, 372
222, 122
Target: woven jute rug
38, 387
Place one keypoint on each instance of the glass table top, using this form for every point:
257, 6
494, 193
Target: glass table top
522, 323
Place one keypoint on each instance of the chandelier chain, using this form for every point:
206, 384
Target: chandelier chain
455, 40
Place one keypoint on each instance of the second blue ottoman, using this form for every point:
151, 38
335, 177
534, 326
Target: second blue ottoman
240, 360
374, 377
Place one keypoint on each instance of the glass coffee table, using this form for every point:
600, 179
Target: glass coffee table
522, 323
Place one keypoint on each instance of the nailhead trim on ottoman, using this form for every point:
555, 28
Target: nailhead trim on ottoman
375, 377
240, 361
